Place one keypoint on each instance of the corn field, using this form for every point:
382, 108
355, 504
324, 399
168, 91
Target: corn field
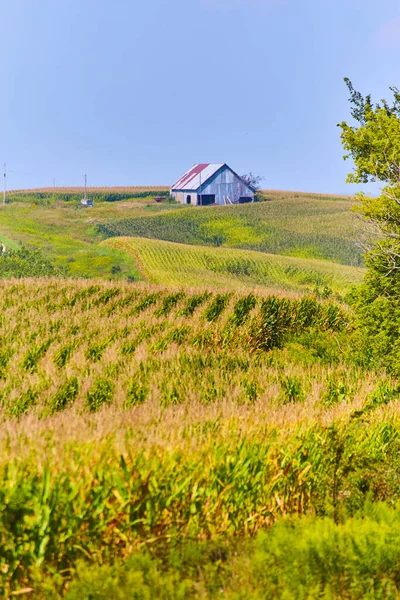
140, 420
178, 264
304, 227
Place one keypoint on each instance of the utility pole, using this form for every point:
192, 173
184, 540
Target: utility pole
201, 199
84, 195
5, 183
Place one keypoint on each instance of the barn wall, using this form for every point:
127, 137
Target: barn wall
193, 197
177, 196
181, 196
226, 184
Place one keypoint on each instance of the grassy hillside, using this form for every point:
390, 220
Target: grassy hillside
180, 264
152, 438
301, 225
66, 235
322, 228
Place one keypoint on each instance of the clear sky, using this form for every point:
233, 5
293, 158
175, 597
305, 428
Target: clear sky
134, 92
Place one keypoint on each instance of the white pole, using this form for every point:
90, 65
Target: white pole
201, 199
85, 186
5, 183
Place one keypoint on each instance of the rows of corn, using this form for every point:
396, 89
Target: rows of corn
310, 228
137, 418
169, 263
99, 194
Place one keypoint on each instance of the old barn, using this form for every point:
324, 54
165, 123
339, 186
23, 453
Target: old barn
214, 183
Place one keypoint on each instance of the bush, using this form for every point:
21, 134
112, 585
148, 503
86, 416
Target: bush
300, 558
27, 263
139, 579
378, 319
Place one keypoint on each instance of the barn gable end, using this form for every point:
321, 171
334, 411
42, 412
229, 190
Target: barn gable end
214, 183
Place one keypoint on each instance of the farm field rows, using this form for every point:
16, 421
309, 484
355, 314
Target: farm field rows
86, 331
75, 194
181, 429
180, 264
59, 191
151, 438
303, 227
300, 225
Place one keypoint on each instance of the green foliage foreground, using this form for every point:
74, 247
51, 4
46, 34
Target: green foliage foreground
141, 518
26, 263
303, 559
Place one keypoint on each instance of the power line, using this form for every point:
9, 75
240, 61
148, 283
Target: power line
19, 173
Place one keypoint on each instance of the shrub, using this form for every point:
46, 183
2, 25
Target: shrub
27, 263
141, 578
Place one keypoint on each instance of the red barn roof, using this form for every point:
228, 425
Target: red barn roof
197, 176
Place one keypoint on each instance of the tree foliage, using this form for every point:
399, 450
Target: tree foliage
253, 181
373, 142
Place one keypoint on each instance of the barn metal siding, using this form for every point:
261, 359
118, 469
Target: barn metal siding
226, 184
211, 179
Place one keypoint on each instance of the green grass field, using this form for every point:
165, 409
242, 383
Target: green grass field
66, 235
179, 264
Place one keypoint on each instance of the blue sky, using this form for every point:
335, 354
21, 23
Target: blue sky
134, 93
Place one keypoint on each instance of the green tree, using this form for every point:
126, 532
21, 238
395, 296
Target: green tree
373, 142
